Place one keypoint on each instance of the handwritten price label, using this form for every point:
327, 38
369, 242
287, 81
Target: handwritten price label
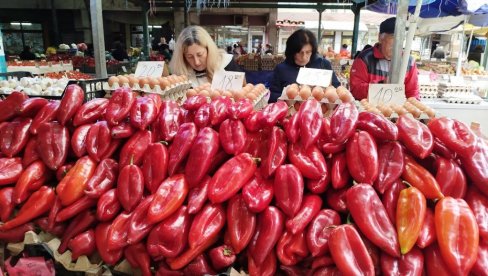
228, 80
149, 69
315, 77
386, 94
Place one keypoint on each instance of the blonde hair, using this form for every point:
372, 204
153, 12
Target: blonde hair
195, 35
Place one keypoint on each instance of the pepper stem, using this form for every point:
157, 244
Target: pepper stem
227, 252
256, 160
132, 159
164, 143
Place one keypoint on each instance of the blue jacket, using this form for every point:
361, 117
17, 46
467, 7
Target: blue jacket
286, 73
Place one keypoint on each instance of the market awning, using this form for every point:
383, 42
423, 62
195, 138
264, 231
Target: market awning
335, 25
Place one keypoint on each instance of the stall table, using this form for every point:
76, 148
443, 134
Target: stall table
465, 113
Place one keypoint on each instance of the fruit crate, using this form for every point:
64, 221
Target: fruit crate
93, 88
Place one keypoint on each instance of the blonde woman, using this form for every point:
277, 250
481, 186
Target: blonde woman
197, 56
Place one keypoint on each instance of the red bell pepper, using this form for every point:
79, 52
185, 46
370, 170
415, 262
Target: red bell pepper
317, 236
481, 264
202, 116
478, 203
274, 152
390, 199
46, 114
122, 130
16, 234
292, 128
10, 106
339, 174
374, 224
119, 231
292, 270
450, 178
207, 223
458, 245
333, 148
53, 213
241, 224
203, 151
442, 150
188, 116
427, 234
31, 179
421, 179
310, 162
118, 107
90, 112
135, 148
31, 106
269, 229
38, 203
408, 264
272, 113
343, 122
30, 152
318, 186
326, 131
411, 209
266, 268
143, 113
336, 199
258, 193
82, 244
476, 166
233, 136
310, 122
220, 158
63, 170
416, 136
7, 204
194, 102
198, 196
310, 207
219, 110
390, 165
291, 248
108, 206
182, 143
14, 136
378, 126
288, 188
52, 144
10, 170
139, 226
78, 140
138, 257
72, 100
72, 186
77, 207
454, 134
252, 122
349, 252
169, 238
82, 222
130, 187
155, 166
434, 264
362, 158
231, 177
170, 119
103, 178
199, 266
240, 109
98, 140
157, 101
222, 257
168, 198
110, 257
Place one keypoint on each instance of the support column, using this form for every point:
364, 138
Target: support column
272, 30
98, 38
401, 19
85, 25
320, 9
145, 30
55, 24
355, 33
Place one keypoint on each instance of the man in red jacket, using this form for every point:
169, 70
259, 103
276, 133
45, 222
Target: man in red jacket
373, 65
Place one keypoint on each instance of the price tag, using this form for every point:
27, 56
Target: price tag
124, 69
149, 69
316, 77
386, 94
228, 80
457, 80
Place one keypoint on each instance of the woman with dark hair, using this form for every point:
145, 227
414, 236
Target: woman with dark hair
301, 51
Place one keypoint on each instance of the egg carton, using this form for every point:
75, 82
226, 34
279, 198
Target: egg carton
394, 116
175, 88
464, 100
455, 94
261, 101
428, 96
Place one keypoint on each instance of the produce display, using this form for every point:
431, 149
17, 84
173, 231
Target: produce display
411, 106
260, 190
305, 92
37, 86
72, 75
255, 93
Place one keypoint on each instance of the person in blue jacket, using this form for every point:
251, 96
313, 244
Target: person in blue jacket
301, 51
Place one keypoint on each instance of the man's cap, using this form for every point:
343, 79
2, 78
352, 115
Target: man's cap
388, 26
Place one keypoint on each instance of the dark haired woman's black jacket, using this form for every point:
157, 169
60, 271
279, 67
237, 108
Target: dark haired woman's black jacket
286, 73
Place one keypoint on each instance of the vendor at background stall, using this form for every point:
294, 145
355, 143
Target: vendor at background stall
26, 54
197, 56
301, 51
373, 65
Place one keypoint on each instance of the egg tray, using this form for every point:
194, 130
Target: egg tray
454, 100
428, 96
394, 116
169, 92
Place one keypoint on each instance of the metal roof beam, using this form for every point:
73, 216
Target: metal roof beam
265, 5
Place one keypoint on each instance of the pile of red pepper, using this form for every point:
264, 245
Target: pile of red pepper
197, 188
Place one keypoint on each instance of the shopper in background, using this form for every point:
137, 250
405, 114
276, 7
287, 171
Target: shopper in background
119, 52
197, 56
373, 65
268, 50
301, 51
367, 46
439, 53
344, 52
476, 54
26, 54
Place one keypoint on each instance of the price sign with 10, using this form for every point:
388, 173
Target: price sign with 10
386, 94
